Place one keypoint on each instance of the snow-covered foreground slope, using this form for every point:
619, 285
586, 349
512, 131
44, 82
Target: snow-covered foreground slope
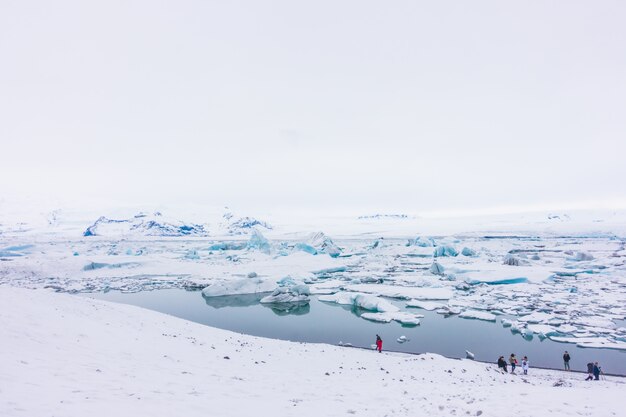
68, 356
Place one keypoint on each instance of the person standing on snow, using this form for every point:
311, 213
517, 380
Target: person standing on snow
589, 371
379, 344
525, 365
513, 362
596, 371
566, 359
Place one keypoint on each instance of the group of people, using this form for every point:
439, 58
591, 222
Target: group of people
502, 364
593, 369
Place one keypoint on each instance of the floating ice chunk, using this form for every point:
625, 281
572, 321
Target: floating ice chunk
424, 305
235, 286
536, 317
468, 252
469, 355
294, 294
402, 339
406, 319
306, 248
542, 330
425, 242
445, 250
582, 256
323, 244
591, 342
346, 344
227, 246
478, 315
517, 327
192, 254
595, 321
511, 260
436, 268
99, 265
448, 310
364, 301
258, 242
395, 291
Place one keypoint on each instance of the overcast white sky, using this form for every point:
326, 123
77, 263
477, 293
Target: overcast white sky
366, 105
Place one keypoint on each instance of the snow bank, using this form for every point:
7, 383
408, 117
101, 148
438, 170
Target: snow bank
77, 357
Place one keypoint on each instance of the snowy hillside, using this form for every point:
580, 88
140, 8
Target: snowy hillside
70, 356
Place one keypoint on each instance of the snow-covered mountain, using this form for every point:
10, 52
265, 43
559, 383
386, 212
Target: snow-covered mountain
144, 224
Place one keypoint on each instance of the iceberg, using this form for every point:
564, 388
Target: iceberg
305, 248
364, 301
424, 305
258, 242
227, 246
323, 244
237, 286
582, 256
511, 260
478, 315
436, 268
468, 252
293, 294
395, 291
425, 242
406, 319
445, 250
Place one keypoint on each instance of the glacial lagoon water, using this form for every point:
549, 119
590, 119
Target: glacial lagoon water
321, 322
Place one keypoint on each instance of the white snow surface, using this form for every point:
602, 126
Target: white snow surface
70, 356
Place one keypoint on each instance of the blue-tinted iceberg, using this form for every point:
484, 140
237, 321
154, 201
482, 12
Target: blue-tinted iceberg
259, 242
227, 246
445, 250
323, 244
468, 252
425, 242
436, 269
305, 248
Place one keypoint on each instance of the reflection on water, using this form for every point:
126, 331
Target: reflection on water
331, 323
242, 300
284, 309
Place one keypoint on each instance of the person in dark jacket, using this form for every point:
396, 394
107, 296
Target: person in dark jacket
379, 344
596, 371
566, 358
502, 364
589, 371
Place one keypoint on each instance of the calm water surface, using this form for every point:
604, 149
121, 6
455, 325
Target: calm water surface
331, 323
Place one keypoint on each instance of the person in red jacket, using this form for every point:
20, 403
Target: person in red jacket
379, 344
